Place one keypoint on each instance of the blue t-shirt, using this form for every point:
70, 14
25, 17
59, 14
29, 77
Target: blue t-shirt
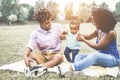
111, 48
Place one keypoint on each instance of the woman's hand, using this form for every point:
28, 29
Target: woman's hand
80, 37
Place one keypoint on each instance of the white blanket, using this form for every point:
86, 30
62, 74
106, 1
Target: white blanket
95, 71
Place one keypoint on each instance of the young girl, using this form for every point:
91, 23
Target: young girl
72, 44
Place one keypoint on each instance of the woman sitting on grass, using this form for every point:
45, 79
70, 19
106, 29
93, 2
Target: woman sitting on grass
107, 55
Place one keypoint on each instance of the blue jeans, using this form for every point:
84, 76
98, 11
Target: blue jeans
67, 54
83, 61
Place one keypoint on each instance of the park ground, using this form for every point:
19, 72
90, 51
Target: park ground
13, 39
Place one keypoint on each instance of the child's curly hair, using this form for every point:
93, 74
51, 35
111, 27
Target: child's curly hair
41, 15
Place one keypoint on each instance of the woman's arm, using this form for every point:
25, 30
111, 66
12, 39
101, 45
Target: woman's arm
104, 41
87, 37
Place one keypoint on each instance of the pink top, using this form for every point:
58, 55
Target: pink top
46, 40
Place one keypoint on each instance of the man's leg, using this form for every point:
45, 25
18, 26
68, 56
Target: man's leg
55, 60
38, 58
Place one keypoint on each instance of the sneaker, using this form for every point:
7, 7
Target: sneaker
63, 70
38, 71
34, 71
27, 71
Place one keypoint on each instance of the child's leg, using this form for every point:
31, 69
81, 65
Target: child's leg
74, 53
67, 54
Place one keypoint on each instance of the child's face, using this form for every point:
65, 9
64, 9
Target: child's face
46, 25
74, 28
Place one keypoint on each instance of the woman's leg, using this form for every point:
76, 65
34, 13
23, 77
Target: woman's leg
67, 54
95, 58
79, 57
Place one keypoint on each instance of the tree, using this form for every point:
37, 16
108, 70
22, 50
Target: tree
93, 5
25, 12
104, 6
84, 12
39, 4
69, 11
8, 7
117, 10
53, 8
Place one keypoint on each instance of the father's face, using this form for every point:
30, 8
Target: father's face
46, 25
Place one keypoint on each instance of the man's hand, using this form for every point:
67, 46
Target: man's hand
27, 61
63, 35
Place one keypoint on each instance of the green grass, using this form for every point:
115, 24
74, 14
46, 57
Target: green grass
13, 40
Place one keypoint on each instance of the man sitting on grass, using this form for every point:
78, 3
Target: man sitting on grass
46, 38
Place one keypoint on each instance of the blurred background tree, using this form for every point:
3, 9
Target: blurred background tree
68, 11
39, 4
12, 11
84, 12
117, 11
104, 6
53, 8
8, 7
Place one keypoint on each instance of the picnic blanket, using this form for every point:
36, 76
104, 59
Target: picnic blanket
95, 71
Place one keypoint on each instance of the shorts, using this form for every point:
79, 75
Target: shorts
43, 57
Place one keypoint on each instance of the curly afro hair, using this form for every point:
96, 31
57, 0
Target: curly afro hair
104, 18
41, 15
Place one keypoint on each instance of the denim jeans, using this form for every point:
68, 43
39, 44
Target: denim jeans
67, 54
83, 61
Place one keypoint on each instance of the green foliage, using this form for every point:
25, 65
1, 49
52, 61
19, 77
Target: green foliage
39, 4
8, 7
117, 11
103, 5
25, 12
30, 13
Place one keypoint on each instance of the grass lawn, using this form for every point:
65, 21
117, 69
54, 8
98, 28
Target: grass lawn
13, 40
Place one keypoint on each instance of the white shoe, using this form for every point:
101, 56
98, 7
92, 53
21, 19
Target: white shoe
34, 71
63, 70
27, 71
38, 71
